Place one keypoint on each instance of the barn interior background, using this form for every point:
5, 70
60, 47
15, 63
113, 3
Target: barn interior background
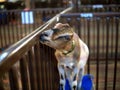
25, 64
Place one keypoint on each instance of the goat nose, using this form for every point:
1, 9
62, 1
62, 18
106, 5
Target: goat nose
46, 34
43, 35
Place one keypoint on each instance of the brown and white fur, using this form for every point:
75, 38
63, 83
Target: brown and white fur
71, 53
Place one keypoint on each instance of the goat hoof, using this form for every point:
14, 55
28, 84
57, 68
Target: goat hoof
61, 87
74, 87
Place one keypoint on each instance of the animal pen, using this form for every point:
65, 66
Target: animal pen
29, 65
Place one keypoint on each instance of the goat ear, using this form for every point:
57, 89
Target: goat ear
66, 24
60, 25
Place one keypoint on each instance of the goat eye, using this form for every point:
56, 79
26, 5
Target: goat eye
67, 37
55, 30
63, 37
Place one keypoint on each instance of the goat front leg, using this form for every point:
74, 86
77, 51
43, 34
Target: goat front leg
62, 76
75, 78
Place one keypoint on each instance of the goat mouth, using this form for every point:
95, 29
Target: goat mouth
45, 41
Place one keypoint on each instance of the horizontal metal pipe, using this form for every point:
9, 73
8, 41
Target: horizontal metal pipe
90, 15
